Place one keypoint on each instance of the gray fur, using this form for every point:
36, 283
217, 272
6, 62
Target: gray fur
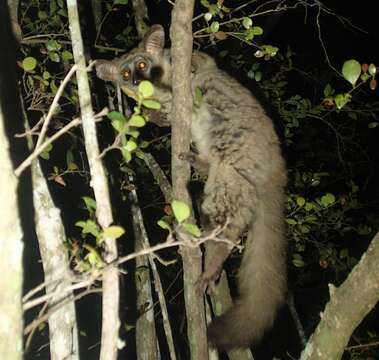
238, 147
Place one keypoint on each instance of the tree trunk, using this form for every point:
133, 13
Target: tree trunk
181, 51
110, 317
51, 237
348, 306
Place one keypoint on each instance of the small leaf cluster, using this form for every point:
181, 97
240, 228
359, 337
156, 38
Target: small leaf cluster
47, 52
220, 24
41, 17
127, 129
352, 71
88, 253
315, 221
181, 213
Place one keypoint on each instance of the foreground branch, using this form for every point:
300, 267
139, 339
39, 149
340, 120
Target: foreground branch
110, 318
181, 54
11, 245
348, 306
51, 237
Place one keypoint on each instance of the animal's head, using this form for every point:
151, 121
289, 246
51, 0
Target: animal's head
146, 62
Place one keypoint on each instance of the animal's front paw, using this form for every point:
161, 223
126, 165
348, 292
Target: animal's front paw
206, 282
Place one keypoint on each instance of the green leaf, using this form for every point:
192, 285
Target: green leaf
328, 199
52, 6
192, 229
130, 146
300, 201
341, 100
164, 225
297, 260
207, 16
89, 203
67, 55
62, 12
328, 90
53, 45
126, 155
140, 154
118, 125
42, 15
365, 77
133, 133
214, 26
270, 50
54, 56
258, 76
291, 221
257, 30
181, 210
113, 232
29, 63
93, 256
144, 144
89, 227
146, 88
137, 121
70, 161
247, 22
46, 75
249, 34
120, 2
116, 115
309, 206
372, 69
45, 154
351, 70
151, 104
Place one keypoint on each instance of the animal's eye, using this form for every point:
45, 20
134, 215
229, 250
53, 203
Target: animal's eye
142, 65
126, 74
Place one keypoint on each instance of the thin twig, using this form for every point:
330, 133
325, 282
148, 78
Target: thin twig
36, 322
39, 149
296, 319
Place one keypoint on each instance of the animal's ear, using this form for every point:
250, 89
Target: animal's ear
153, 42
107, 70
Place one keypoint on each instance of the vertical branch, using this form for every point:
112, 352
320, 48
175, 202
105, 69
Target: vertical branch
51, 237
10, 256
96, 7
181, 51
13, 12
140, 17
146, 337
110, 321
11, 245
347, 307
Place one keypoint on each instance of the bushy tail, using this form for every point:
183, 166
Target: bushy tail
262, 279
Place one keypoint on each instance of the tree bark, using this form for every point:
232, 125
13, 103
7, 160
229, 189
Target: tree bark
140, 17
51, 237
181, 51
348, 306
110, 318
11, 245
146, 337
10, 256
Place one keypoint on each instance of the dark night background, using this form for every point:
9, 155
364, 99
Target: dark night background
294, 29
